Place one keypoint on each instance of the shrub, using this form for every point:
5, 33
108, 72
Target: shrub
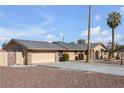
81, 56
76, 58
65, 57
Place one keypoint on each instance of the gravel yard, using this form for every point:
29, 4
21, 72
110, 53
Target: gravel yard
47, 77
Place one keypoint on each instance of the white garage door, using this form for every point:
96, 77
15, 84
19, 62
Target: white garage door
43, 57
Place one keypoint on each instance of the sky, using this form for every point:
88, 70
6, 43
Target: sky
52, 22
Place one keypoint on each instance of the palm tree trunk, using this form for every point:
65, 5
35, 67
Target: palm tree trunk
113, 37
88, 48
113, 41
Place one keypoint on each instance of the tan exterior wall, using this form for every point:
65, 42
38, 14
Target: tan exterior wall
71, 55
98, 48
43, 57
3, 59
85, 56
19, 58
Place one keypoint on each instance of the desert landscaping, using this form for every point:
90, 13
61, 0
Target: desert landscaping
49, 77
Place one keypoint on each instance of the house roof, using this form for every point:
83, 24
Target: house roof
70, 46
38, 45
93, 45
42, 45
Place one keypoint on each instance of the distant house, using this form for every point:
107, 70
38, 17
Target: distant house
36, 52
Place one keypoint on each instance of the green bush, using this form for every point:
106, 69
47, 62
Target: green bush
81, 56
65, 57
76, 58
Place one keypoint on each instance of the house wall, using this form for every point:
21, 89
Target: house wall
72, 55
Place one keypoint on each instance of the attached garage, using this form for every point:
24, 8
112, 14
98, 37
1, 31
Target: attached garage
38, 58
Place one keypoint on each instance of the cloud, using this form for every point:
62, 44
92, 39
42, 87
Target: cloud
50, 38
119, 38
97, 17
94, 31
97, 34
41, 31
104, 36
49, 19
61, 34
31, 32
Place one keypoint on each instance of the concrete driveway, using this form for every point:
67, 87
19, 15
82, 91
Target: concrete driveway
91, 67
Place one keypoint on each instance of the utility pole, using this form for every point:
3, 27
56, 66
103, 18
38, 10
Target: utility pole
88, 48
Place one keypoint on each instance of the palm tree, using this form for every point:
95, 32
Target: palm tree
113, 20
88, 48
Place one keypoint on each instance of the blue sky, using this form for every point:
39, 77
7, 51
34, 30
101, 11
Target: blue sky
50, 23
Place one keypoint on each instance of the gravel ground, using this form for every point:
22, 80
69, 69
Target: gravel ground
47, 77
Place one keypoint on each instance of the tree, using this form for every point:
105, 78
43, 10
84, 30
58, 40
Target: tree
113, 21
88, 48
116, 49
3, 45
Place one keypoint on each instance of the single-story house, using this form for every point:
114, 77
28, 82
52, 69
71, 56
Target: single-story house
36, 52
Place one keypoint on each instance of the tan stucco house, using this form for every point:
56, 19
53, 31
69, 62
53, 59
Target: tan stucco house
36, 52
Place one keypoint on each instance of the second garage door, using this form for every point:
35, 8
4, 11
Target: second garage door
43, 57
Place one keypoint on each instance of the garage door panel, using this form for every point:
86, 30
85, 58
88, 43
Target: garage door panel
43, 57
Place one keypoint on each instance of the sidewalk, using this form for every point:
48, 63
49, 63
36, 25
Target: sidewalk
91, 67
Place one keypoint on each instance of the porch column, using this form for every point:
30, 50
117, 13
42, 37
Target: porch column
29, 58
56, 57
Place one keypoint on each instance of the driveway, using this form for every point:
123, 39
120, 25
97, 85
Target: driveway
91, 67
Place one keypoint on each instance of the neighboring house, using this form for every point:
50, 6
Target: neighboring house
34, 52
98, 51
